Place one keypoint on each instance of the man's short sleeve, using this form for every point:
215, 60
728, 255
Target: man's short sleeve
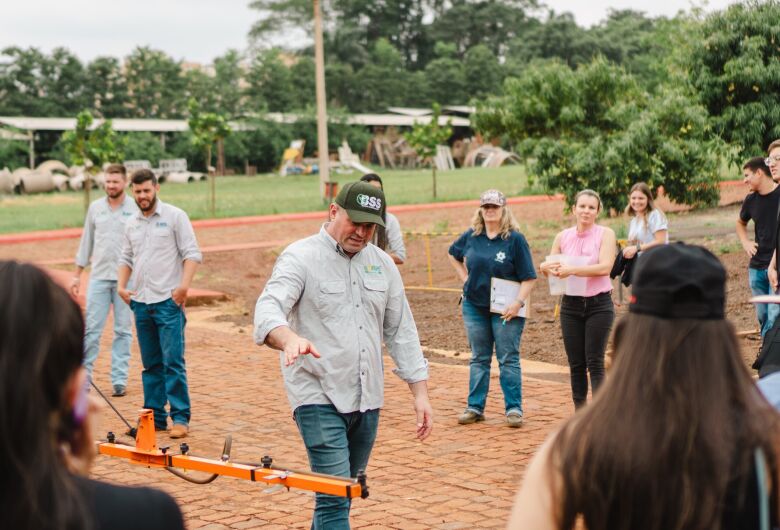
458, 248
744, 212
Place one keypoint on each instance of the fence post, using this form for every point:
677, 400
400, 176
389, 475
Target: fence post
428, 257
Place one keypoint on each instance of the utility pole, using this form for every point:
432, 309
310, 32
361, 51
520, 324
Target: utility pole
322, 115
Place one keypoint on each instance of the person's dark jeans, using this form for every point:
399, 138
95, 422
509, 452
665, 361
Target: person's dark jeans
337, 444
160, 331
585, 324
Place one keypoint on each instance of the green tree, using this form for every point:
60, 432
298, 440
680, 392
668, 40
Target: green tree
594, 127
34, 84
207, 129
228, 75
446, 76
270, 83
483, 72
143, 146
735, 66
303, 82
92, 147
424, 138
155, 84
468, 23
106, 88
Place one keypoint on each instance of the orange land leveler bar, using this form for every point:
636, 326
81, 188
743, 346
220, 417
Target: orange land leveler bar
146, 453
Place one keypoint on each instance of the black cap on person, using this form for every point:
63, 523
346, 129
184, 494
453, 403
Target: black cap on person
363, 202
679, 281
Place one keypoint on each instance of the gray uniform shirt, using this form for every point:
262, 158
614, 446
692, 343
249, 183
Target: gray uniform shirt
345, 307
155, 248
103, 235
395, 240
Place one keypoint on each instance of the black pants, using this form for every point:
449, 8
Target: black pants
585, 324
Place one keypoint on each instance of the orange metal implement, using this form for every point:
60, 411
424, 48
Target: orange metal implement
146, 453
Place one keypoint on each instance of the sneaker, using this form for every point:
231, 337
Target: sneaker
119, 391
514, 419
161, 428
469, 416
179, 430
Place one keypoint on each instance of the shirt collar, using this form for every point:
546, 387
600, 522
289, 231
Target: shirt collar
332, 243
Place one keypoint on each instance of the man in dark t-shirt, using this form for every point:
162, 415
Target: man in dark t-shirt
761, 205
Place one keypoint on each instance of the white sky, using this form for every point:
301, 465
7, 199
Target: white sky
198, 30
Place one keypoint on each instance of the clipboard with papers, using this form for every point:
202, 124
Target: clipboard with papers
503, 293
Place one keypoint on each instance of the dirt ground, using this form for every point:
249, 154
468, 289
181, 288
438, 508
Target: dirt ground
242, 273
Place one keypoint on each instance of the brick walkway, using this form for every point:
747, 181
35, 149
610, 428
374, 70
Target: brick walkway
462, 477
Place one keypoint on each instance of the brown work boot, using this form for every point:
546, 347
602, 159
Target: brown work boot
179, 430
470, 416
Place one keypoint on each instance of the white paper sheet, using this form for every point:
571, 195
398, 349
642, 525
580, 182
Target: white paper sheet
503, 293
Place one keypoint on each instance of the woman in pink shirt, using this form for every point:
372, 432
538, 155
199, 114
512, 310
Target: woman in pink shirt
586, 320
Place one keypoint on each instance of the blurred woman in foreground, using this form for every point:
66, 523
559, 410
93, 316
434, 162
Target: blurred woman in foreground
46, 414
679, 437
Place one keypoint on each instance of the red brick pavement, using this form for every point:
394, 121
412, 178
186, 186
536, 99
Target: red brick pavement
462, 477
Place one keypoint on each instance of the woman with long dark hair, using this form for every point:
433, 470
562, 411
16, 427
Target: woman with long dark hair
46, 443
679, 437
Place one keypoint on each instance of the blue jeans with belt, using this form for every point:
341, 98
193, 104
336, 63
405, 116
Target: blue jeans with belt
485, 330
160, 330
337, 444
101, 296
585, 324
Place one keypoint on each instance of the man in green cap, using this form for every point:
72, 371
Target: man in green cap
331, 301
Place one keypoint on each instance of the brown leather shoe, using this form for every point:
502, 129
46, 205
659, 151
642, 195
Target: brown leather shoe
179, 430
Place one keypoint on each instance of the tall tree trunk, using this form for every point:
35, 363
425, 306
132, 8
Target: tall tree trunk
212, 179
221, 156
434, 179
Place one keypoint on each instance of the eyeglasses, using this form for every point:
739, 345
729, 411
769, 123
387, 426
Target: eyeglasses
772, 160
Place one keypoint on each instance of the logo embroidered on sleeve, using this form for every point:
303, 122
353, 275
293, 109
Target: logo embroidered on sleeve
500, 257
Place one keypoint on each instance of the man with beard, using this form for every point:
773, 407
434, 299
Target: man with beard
101, 241
161, 253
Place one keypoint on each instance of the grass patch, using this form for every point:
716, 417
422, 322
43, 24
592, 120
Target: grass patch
267, 194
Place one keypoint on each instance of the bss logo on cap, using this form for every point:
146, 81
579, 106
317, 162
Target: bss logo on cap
375, 203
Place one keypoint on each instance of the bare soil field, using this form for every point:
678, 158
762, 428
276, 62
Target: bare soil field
243, 273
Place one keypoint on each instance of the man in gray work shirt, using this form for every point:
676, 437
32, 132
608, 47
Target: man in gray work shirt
101, 241
330, 302
161, 253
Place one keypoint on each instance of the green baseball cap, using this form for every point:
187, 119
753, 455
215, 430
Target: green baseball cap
363, 202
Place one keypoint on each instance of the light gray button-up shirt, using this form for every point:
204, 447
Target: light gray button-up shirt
395, 240
345, 307
155, 248
103, 235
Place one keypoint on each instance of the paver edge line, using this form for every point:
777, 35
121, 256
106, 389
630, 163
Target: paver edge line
72, 233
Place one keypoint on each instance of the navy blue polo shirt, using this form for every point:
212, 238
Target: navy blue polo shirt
507, 259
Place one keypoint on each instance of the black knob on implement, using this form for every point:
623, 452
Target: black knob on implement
111, 437
266, 461
184, 448
361, 478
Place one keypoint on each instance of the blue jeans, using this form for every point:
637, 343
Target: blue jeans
160, 330
337, 444
766, 313
484, 329
101, 295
